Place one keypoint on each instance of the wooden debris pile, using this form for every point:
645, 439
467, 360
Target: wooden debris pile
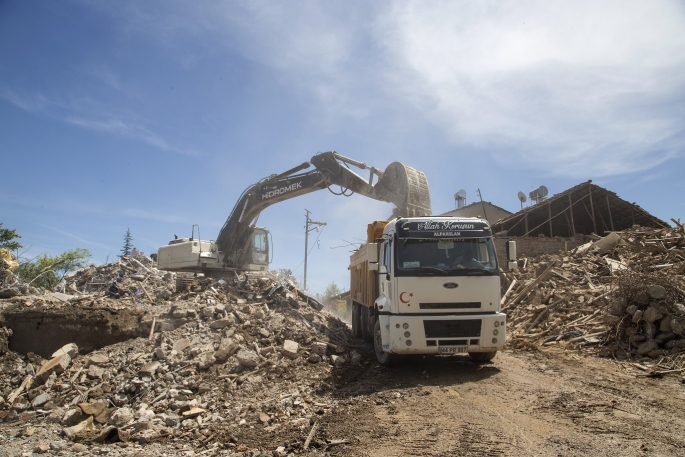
622, 295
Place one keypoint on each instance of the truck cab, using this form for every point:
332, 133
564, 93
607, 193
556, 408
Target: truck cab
434, 289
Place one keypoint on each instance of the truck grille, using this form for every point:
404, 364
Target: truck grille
452, 329
462, 305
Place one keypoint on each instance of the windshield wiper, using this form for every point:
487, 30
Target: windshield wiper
444, 272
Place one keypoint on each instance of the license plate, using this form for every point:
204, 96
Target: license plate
452, 350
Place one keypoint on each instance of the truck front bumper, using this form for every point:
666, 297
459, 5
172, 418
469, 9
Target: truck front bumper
443, 334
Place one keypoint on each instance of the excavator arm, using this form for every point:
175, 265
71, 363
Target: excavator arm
399, 184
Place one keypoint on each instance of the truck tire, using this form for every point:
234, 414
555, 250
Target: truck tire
356, 320
367, 334
384, 358
482, 357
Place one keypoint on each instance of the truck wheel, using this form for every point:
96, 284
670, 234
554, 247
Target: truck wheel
367, 335
482, 357
384, 358
356, 321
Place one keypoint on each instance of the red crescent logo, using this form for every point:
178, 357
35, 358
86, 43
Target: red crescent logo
403, 300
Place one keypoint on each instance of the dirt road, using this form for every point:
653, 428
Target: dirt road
523, 404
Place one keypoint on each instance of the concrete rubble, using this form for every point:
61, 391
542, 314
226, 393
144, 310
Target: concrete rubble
216, 365
620, 296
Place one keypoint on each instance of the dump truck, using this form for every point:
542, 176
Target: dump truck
428, 285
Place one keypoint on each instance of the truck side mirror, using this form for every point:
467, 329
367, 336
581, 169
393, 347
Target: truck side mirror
511, 255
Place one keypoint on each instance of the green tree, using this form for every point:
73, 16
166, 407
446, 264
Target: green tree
335, 306
6, 239
128, 243
47, 271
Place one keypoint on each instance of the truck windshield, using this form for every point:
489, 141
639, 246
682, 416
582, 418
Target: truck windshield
465, 256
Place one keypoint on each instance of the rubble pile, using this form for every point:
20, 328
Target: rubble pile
622, 295
223, 365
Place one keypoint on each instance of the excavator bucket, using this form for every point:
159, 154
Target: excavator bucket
407, 188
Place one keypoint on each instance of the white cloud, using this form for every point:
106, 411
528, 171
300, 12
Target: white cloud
551, 85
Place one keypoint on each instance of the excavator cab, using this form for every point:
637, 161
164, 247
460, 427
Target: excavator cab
258, 251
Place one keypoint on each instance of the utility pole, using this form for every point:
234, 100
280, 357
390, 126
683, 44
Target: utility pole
485, 216
307, 229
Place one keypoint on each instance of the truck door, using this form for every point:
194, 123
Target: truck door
385, 272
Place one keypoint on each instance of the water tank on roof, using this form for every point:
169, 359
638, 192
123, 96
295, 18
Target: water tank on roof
538, 194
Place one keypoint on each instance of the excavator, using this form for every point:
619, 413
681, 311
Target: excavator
242, 246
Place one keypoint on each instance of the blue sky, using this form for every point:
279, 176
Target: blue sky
156, 115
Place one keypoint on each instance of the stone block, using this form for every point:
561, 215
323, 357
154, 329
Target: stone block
71, 349
56, 365
290, 349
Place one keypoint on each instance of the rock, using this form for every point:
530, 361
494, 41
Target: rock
78, 447
652, 314
314, 358
227, 348
642, 298
86, 425
631, 309
290, 349
665, 324
618, 307
120, 399
73, 417
40, 400
71, 349
42, 449
180, 345
95, 372
150, 369
92, 409
56, 365
159, 354
206, 360
637, 316
355, 357
647, 347
194, 412
338, 360
208, 311
121, 417
656, 292
220, 323
319, 348
247, 358
649, 329
678, 325
98, 359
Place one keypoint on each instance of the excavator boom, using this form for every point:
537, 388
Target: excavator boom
404, 186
